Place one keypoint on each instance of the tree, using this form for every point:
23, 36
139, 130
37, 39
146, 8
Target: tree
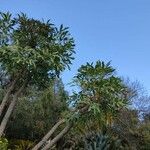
37, 112
101, 94
31, 53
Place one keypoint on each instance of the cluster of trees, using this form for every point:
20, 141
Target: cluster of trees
36, 113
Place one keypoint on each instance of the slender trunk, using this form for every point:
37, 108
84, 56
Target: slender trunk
9, 90
48, 135
9, 110
5, 99
58, 137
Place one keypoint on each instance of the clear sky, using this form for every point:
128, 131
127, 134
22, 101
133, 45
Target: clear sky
116, 30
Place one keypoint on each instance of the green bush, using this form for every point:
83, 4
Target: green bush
21, 144
3, 144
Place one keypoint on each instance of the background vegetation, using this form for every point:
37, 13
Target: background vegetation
36, 112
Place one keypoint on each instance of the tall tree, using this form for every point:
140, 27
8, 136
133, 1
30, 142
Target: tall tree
31, 52
101, 94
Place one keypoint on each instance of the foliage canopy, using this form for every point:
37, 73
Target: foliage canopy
34, 48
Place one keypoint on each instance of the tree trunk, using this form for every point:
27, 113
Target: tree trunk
9, 110
5, 99
58, 137
48, 135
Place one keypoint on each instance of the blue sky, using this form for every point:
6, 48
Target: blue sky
116, 30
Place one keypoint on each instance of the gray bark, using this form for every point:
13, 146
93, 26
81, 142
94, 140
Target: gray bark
9, 110
48, 135
5, 99
58, 137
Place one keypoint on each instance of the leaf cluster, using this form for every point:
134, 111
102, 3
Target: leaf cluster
100, 90
35, 47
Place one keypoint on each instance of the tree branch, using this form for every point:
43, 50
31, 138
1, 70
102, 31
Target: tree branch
49, 134
58, 137
10, 109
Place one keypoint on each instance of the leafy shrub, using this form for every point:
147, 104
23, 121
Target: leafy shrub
21, 144
3, 144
